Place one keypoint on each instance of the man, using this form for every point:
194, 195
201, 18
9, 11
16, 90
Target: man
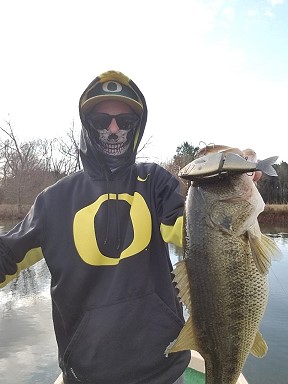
104, 233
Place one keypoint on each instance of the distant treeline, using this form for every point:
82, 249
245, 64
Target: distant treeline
26, 168
274, 190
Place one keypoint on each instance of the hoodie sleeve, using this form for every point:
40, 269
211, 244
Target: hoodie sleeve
171, 206
21, 246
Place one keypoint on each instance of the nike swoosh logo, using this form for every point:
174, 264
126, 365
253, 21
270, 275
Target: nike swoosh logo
140, 178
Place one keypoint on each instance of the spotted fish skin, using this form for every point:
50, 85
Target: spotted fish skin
223, 279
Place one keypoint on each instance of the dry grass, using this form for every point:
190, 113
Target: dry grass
10, 211
276, 208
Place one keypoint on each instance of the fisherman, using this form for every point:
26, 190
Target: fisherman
104, 234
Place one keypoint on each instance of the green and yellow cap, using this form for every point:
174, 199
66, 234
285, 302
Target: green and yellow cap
112, 85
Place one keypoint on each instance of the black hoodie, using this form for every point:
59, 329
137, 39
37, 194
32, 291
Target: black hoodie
104, 235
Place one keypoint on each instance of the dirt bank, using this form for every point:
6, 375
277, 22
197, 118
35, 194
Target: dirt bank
274, 213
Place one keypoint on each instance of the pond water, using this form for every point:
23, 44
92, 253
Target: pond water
28, 350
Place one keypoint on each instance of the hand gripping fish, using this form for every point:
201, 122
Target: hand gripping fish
223, 279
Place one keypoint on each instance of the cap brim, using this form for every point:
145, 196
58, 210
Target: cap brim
89, 104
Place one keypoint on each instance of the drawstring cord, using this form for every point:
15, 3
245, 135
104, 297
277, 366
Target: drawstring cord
108, 210
118, 236
108, 220
118, 222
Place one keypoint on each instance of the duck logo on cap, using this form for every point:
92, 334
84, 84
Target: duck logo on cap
111, 86
111, 90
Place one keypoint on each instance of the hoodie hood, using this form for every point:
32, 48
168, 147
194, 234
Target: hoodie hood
95, 163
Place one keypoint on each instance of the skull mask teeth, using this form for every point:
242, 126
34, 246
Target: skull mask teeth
113, 144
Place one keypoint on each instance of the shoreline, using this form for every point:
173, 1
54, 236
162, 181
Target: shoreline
273, 213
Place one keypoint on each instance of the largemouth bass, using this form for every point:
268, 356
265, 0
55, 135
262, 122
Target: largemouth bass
223, 279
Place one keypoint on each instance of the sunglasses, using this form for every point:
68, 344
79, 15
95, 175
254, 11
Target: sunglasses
125, 121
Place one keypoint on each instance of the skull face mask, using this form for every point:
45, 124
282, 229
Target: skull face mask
113, 140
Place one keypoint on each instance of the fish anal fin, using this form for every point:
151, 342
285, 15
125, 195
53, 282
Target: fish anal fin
259, 348
182, 283
185, 340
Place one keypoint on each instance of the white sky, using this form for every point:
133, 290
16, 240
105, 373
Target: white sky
212, 71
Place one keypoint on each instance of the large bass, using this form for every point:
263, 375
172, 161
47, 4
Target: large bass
223, 278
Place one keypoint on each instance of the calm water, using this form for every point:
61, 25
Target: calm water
28, 352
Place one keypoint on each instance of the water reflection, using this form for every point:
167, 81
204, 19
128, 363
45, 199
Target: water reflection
28, 351
31, 285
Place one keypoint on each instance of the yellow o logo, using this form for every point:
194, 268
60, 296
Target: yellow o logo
84, 233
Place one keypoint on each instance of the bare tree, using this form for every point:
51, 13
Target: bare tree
68, 147
142, 149
24, 167
27, 167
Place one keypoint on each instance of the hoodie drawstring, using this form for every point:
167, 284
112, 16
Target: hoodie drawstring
118, 222
118, 235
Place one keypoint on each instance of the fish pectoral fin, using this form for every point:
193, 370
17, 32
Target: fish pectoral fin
263, 250
185, 340
259, 348
182, 283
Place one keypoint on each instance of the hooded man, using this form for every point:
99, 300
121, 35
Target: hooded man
104, 234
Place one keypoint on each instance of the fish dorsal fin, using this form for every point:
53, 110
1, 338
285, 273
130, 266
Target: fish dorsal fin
182, 283
259, 348
185, 340
263, 250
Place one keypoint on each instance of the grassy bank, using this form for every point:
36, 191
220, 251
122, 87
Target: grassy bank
274, 213
12, 212
276, 208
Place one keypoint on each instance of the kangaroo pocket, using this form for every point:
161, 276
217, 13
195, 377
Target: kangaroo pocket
121, 339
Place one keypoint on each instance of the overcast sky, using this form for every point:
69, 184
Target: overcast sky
211, 71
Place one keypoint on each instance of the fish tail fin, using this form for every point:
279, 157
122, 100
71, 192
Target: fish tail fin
184, 341
264, 250
259, 348
266, 166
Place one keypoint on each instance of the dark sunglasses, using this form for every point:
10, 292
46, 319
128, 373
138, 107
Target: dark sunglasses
124, 121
